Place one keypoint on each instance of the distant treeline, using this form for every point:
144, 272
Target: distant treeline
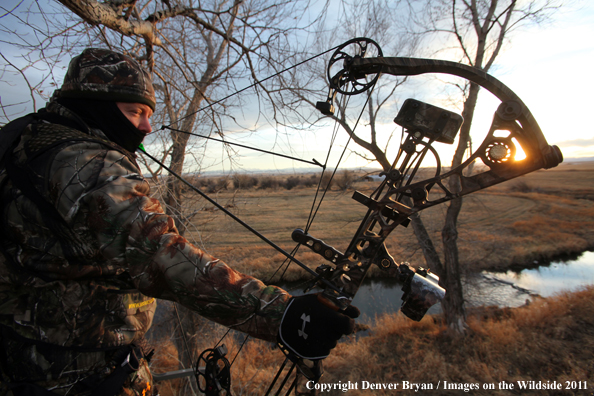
342, 181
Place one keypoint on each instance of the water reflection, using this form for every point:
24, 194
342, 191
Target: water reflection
554, 278
509, 289
376, 297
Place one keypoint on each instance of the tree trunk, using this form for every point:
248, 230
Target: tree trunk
173, 199
180, 140
453, 304
187, 344
425, 242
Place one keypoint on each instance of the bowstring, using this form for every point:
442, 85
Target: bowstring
311, 219
313, 212
286, 262
258, 82
314, 209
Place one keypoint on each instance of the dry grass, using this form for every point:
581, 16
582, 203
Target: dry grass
550, 214
549, 340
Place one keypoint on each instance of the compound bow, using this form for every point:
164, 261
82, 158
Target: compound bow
352, 71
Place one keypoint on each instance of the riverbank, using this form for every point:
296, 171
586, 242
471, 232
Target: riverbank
548, 340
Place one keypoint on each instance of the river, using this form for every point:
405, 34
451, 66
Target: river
503, 289
512, 288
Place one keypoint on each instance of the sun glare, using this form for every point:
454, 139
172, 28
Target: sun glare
520, 154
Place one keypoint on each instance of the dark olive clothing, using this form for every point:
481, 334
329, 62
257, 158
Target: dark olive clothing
90, 280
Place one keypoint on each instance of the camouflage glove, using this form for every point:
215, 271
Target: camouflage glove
311, 329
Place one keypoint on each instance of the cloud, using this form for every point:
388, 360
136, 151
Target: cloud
576, 143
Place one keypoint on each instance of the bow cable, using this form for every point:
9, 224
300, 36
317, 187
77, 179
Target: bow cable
285, 263
312, 162
312, 215
237, 219
314, 209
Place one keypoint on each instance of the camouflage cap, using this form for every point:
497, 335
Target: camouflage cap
107, 75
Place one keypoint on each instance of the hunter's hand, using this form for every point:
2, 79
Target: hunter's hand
311, 329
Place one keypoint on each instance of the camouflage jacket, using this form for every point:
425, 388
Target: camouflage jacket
99, 289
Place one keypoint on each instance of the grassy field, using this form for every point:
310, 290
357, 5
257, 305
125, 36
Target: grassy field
533, 218
548, 340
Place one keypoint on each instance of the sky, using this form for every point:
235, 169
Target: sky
550, 68
547, 66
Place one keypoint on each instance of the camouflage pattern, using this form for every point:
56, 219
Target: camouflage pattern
124, 253
107, 75
70, 372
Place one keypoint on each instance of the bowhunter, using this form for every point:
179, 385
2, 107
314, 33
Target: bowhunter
86, 250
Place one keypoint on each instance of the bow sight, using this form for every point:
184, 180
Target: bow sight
424, 120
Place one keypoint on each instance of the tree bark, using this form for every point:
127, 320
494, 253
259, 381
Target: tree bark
453, 304
424, 239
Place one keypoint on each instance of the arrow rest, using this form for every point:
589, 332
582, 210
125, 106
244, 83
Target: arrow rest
420, 286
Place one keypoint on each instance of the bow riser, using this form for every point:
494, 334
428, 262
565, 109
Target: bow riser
513, 128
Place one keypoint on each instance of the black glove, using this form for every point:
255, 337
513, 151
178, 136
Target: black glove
310, 329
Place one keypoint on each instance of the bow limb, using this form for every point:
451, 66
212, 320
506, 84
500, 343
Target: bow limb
546, 156
513, 125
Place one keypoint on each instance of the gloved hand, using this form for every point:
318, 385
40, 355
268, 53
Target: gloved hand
311, 329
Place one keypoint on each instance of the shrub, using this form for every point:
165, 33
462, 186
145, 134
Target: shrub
223, 183
522, 187
269, 182
292, 182
345, 179
327, 180
210, 185
214, 185
310, 181
244, 181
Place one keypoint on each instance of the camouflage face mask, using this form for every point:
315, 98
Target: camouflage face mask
107, 117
